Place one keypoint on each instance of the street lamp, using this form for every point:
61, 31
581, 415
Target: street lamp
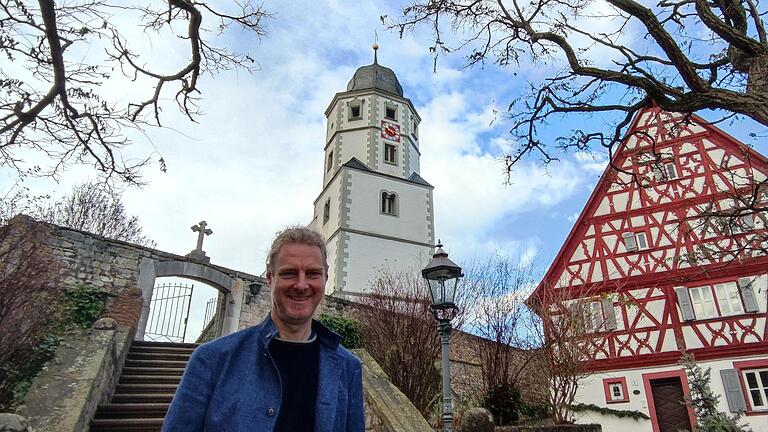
442, 276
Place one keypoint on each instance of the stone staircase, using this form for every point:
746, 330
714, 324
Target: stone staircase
150, 376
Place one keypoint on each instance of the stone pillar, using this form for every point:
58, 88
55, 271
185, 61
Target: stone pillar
146, 282
233, 308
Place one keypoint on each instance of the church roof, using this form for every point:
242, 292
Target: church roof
417, 179
355, 163
375, 76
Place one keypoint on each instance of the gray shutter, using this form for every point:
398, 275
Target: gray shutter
658, 174
629, 241
609, 313
733, 394
748, 221
684, 300
748, 294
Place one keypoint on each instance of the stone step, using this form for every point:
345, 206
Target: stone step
142, 363
120, 398
157, 356
149, 379
154, 349
144, 371
163, 344
132, 410
143, 388
127, 425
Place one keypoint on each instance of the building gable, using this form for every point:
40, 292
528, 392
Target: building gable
642, 220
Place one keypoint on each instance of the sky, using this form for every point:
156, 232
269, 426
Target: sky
253, 162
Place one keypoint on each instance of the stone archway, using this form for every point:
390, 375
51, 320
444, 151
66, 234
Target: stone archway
231, 288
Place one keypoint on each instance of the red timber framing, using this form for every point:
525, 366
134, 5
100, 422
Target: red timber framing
641, 241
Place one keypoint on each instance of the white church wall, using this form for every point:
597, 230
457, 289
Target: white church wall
332, 192
367, 256
332, 247
353, 145
365, 213
414, 157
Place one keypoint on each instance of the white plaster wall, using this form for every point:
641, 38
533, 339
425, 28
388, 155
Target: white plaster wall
591, 392
333, 250
365, 211
333, 192
354, 144
415, 158
368, 256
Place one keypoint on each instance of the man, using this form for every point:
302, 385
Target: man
287, 374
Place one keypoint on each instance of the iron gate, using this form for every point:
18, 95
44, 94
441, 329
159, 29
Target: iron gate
168, 313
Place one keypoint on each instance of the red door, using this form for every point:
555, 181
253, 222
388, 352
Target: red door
669, 404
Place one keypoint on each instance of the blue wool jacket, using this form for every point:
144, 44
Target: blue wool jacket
231, 384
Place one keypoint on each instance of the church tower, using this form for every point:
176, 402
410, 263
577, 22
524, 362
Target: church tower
375, 210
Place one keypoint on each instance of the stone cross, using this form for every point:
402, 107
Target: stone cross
201, 231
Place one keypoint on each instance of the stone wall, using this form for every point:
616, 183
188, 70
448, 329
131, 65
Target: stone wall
386, 407
82, 374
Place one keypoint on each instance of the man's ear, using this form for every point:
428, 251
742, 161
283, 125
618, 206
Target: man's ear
269, 278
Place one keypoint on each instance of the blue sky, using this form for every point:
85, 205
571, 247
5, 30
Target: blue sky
253, 163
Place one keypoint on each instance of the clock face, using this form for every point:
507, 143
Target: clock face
390, 131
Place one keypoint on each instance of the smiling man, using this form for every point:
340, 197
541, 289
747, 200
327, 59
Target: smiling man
287, 374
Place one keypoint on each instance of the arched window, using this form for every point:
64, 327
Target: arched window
389, 203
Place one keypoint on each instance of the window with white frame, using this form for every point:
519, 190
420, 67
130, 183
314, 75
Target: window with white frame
635, 241
641, 240
703, 302
729, 299
616, 391
390, 153
756, 381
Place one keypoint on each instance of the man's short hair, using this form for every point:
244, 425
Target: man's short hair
296, 234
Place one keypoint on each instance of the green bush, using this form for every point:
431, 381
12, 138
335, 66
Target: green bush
347, 328
504, 402
83, 305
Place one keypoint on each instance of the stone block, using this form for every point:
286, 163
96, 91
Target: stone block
477, 420
13, 423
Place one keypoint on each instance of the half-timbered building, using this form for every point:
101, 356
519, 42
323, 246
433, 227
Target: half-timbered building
668, 255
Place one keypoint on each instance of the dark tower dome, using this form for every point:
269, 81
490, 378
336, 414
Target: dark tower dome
375, 76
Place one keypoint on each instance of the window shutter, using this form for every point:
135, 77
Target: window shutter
658, 174
684, 300
748, 294
609, 313
629, 241
748, 221
733, 394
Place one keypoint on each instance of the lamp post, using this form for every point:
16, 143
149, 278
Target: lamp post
442, 276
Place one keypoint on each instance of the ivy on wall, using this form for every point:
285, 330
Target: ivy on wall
635, 415
347, 328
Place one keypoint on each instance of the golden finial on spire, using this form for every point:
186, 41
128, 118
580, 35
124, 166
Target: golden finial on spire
375, 47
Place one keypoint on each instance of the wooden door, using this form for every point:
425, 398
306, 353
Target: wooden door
669, 404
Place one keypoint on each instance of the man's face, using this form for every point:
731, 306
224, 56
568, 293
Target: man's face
297, 284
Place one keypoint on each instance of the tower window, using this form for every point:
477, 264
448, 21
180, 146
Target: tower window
327, 211
390, 153
391, 113
389, 203
355, 109
329, 164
